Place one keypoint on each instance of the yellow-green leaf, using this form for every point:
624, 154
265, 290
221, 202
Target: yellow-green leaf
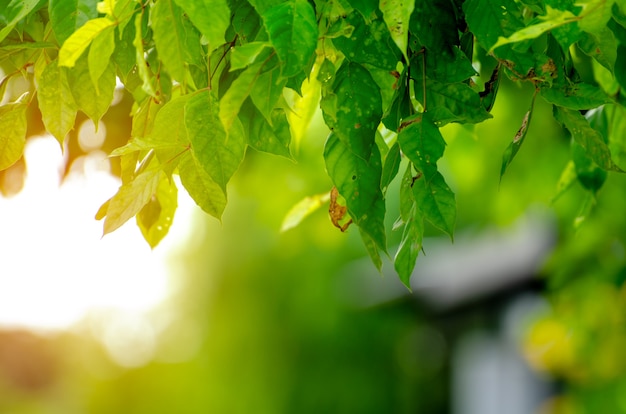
56, 103
12, 131
76, 44
156, 217
303, 209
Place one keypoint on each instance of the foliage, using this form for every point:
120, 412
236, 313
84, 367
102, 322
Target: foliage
211, 78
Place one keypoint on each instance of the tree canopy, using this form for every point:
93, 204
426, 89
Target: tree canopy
210, 78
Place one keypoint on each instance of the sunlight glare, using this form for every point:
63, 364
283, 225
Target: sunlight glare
55, 265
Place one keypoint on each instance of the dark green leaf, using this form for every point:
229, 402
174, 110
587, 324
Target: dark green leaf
354, 109
518, 140
452, 102
292, 29
66, 16
369, 43
589, 139
391, 166
410, 245
576, 96
358, 181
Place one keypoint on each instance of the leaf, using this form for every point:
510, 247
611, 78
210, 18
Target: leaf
518, 139
588, 138
56, 103
12, 131
369, 43
217, 151
337, 212
436, 200
397, 14
76, 44
452, 102
358, 181
177, 41
203, 190
267, 91
602, 46
422, 143
354, 109
144, 117
577, 96
390, 167
554, 18
156, 217
372, 249
142, 67
272, 138
302, 209
169, 129
231, 102
245, 55
67, 16
434, 23
413, 233
595, 15
13, 13
410, 246
94, 102
132, 197
292, 30
489, 20
99, 54
211, 17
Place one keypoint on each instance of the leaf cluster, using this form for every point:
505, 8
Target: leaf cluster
210, 78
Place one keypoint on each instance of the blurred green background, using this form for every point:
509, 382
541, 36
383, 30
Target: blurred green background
260, 321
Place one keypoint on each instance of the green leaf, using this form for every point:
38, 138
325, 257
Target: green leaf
12, 131
292, 29
422, 143
595, 15
434, 23
245, 55
413, 233
391, 166
76, 44
354, 109
217, 151
94, 102
124, 53
553, 19
372, 249
369, 43
132, 197
156, 217
588, 138
452, 102
267, 91
397, 14
144, 117
302, 209
15, 11
211, 17
602, 46
140, 60
577, 96
436, 200
203, 190
518, 140
56, 103
169, 129
274, 138
489, 20
237, 93
410, 246
67, 16
100, 53
358, 181
177, 41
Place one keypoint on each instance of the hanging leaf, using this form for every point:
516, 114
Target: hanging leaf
12, 131
56, 103
156, 217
